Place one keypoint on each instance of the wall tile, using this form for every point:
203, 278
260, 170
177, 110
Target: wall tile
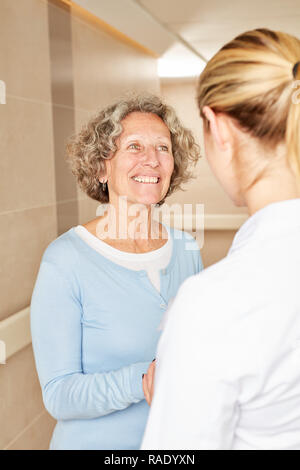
26, 149
37, 436
24, 236
63, 128
216, 245
113, 67
60, 39
24, 48
82, 117
21, 398
87, 210
67, 215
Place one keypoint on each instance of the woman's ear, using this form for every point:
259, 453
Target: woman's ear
218, 127
107, 169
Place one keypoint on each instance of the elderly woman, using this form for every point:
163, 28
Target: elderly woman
103, 287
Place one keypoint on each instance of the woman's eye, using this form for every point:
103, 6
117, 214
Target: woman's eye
164, 148
134, 146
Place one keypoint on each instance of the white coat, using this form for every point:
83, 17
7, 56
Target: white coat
228, 361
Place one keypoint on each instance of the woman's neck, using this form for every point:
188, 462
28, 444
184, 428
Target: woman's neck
279, 186
130, 228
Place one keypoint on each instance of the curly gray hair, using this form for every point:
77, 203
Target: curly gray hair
96, 142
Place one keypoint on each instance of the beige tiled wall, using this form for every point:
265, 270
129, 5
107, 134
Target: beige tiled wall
24, 235
26, 423
216, 245
59, 69
27, 189
24, 65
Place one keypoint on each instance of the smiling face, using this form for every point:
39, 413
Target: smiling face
142, 167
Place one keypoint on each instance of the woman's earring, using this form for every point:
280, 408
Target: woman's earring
104, 185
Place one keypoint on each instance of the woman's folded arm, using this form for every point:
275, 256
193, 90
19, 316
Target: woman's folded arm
68, 393
83, 396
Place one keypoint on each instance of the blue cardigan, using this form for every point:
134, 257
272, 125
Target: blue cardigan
94, 331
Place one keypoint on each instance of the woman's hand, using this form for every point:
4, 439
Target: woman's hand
148, 383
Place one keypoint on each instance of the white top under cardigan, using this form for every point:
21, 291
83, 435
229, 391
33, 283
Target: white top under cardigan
152, 261
228, 361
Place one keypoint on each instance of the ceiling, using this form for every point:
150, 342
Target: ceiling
206, 25
185, 34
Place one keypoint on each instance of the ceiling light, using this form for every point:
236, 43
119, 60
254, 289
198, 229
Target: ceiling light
179, 68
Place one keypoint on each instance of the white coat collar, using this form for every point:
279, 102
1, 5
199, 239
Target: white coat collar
267, 222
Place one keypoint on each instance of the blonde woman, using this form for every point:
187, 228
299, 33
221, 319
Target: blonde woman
227, 373
101, 292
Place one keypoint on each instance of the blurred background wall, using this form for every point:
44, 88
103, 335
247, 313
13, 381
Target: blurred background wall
60, 65
204, 189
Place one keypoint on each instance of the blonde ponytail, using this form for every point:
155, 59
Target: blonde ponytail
251, 79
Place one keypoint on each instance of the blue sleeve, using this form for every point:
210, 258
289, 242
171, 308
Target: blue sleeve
192, 246
199, 263
68, 393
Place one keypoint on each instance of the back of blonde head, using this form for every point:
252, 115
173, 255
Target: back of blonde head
251, 79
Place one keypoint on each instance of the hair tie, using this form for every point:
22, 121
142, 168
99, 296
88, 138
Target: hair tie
295, 69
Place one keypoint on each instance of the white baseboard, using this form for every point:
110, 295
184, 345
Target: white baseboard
190, 222
14, 334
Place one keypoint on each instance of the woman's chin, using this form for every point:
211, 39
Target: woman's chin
145, 195
145, 199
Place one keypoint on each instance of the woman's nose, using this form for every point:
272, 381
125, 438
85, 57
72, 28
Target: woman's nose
150, 157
